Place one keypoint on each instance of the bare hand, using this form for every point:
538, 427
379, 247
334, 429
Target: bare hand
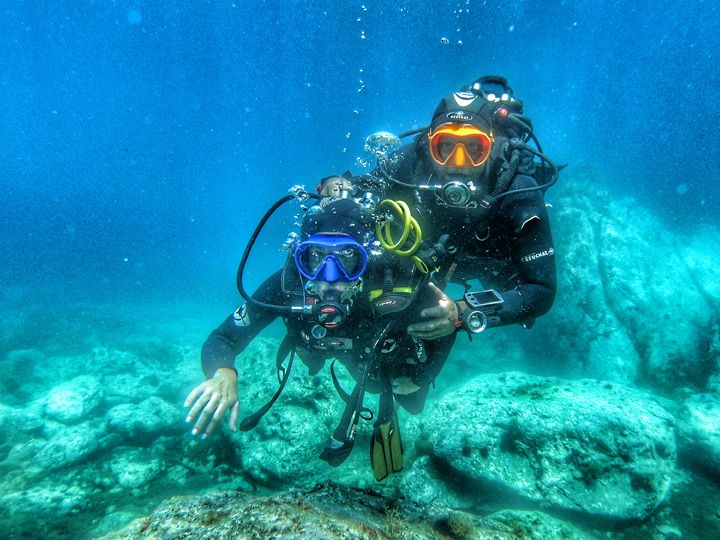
212, 399
438, 321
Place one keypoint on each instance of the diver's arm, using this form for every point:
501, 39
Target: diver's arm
235, 333
534, 257
211, 399
533, 254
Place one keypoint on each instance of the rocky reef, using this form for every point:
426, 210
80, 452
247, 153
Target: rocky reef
332, 511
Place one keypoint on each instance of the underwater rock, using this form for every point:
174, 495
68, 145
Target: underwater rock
45, 500
599, 345
582, 446
112, 522
150, 418
135, 467
127, 388
652, 292
74, 400
14, 419
638, 299
699, 253
70, 446
21, 363
330, 511
537, 525
699, 431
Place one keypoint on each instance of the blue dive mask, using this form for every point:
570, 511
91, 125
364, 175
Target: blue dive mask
331, 257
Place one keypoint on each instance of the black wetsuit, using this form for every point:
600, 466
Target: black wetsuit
508, 248
398, 354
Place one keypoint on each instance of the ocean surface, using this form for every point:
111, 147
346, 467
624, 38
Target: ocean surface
140, 143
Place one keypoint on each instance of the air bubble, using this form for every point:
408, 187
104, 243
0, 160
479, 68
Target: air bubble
444, 40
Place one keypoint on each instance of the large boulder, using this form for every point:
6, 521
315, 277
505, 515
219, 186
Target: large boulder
121, 388
584, 446
72, 445
74, 400
17, 419
135, 467
60, 501
637, 298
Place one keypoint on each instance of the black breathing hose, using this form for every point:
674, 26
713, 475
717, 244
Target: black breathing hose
506, 177
246, 254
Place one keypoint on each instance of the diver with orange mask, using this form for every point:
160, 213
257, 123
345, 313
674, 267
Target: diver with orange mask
477, 177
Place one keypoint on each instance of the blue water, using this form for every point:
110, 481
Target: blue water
140, 140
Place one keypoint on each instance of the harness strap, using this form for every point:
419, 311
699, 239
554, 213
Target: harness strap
283, 374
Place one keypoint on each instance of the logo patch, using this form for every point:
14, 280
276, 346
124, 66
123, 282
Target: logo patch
459, 115
532, 257
241, 317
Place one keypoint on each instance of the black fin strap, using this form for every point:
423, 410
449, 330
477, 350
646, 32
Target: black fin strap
249, 422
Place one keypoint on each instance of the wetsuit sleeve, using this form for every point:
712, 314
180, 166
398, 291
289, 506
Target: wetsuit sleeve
239, 329
533, 255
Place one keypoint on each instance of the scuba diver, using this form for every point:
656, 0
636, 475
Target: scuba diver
477, 176
343, 296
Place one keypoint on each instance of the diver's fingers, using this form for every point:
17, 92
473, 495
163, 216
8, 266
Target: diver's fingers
199, 404
438, 293
431, 329
195, 393
219, 413
234, 415
422, 328
206, 414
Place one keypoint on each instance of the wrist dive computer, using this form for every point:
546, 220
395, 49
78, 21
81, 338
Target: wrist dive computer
478, 309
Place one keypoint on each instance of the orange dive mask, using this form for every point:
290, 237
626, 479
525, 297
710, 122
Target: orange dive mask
459, 145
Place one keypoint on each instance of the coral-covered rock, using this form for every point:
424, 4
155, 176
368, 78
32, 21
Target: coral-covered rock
330, 511
46, 500
284, 448
135, 467
640, 302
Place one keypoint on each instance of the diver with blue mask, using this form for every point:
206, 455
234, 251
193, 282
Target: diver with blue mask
340, 299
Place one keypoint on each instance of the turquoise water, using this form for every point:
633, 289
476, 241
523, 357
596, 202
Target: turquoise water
141, 141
